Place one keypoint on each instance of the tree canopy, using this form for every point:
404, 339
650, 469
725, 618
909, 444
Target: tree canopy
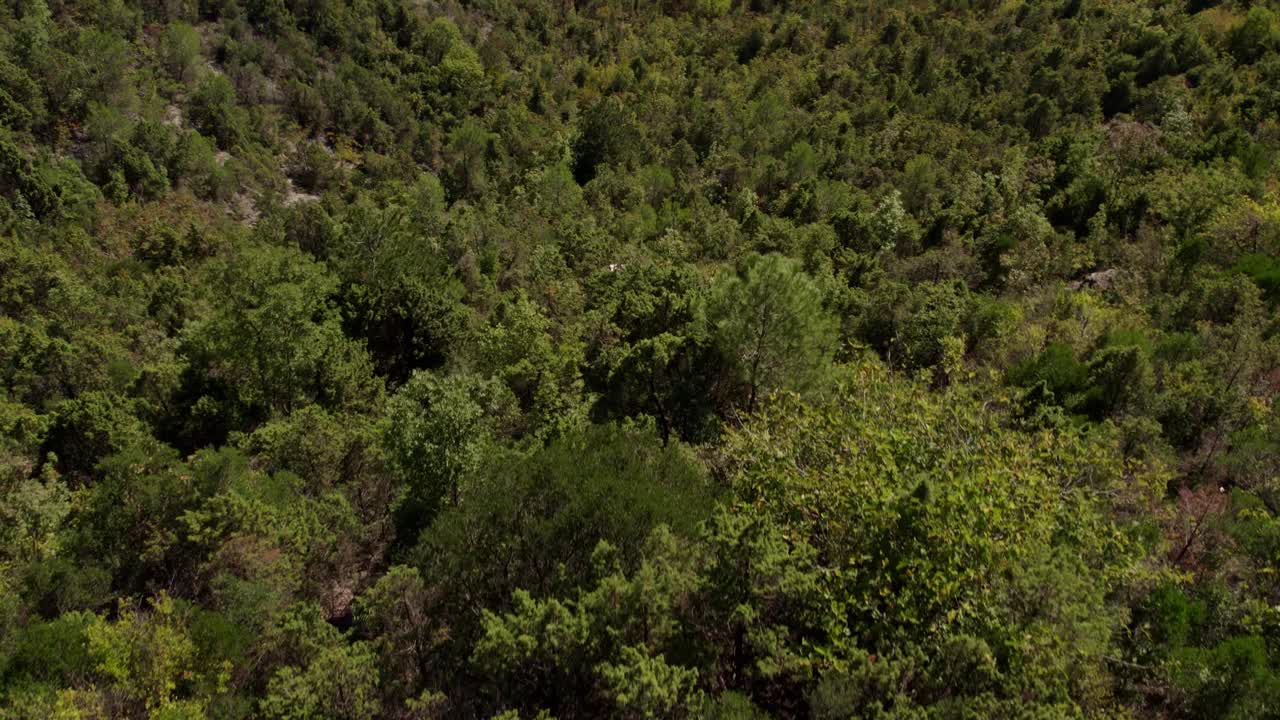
570, 359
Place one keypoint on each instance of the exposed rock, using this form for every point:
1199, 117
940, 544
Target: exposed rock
1099, 280
173, 116
293, 196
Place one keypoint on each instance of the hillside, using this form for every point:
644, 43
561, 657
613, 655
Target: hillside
686, 359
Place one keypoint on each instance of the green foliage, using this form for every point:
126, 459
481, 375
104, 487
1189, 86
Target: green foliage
1231, 680
456, 76
1253, 37
180, 51
55, 651
533, 522
34, 512
680, 359
541, 370
770, 325
1263, 270
936, 514
89, 428
145, 658
653, 358
340, 682
438, 431
213, 111
541, 646
609, 134
19, 180
275, 341
394, 612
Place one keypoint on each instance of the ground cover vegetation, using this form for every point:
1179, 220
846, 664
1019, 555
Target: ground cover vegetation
680, 359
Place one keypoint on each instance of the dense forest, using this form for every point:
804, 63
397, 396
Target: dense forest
725, 359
